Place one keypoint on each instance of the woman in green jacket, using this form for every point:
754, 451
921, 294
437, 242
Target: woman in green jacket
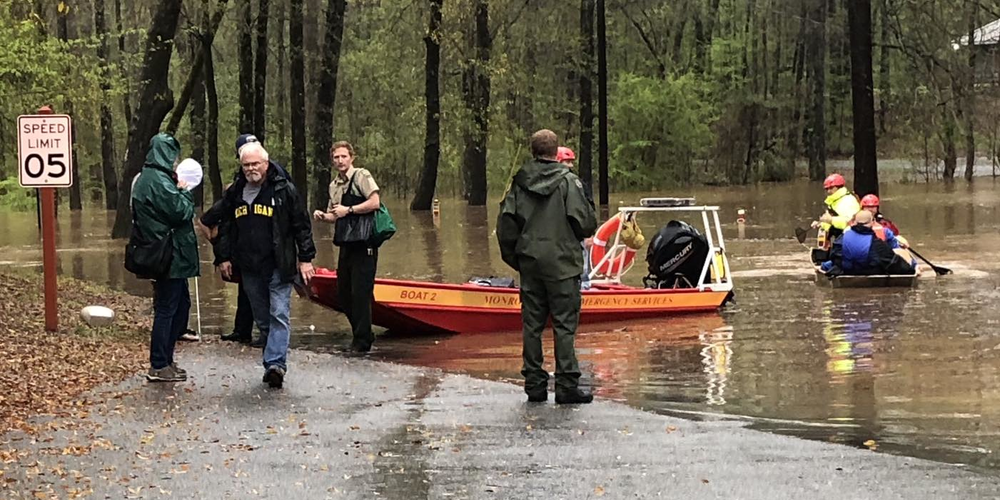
162, 206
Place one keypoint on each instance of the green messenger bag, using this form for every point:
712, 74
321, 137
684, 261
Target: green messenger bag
384, 227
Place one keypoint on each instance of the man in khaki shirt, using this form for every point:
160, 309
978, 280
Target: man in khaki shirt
356, 261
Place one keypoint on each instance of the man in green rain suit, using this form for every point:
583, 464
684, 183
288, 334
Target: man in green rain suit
543, 218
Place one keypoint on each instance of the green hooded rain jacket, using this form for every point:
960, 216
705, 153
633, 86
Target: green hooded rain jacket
543, 218
159, 207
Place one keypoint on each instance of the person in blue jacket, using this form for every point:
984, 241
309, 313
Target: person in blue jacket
859, 251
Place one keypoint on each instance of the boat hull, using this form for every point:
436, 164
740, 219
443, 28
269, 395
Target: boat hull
876, 281
421, 307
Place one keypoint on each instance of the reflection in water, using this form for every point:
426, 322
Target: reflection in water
477, 231
432, 245
918, 371
715, 356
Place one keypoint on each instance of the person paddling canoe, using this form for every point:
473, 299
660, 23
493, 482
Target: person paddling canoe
841, 205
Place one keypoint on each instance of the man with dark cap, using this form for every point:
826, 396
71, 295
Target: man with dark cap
243, 323
543, 218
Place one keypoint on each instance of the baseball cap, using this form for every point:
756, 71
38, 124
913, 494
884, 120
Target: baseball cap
242, 140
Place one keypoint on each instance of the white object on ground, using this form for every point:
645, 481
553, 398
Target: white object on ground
97, 315
190, 171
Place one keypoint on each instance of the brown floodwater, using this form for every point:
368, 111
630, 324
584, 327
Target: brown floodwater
917, 371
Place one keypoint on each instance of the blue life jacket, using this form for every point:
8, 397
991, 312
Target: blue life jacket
856, 247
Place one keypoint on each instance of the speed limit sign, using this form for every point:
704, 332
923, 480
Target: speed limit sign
45, 151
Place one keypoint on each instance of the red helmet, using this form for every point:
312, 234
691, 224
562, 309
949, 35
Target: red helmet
834, 180
565, 153
869, 200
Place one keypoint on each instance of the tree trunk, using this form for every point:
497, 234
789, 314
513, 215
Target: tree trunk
969, 97
126, 102
885, 84
197, 117
75, 201
194, 79
282, 92
859, 17
246, 67
108, 159
602, 102
481, 110
585, 163
793, 132
326, 95
816, 135
212, 125
427, 181
297, 99
155, 101
260, 74
711, 19
948, 145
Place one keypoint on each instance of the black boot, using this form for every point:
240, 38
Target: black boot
260, 342
573, 397
538, 396
236, 337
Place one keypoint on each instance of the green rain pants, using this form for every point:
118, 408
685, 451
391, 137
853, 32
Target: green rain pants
539, 300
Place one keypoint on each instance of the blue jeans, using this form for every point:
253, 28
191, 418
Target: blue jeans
585, 277
270, 300
171, 305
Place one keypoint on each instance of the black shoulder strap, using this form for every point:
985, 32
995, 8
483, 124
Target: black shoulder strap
350, 184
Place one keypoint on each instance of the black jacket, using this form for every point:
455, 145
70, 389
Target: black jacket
292, 230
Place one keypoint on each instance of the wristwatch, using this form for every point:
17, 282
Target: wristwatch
350, 209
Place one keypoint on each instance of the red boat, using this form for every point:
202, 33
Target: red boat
424, 307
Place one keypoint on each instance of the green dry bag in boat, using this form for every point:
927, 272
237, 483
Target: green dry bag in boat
384, 227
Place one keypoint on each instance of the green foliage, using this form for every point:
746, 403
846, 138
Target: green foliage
660, 128
13, 197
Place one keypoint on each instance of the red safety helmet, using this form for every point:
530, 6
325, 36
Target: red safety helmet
869, 200
564, 153
834, 180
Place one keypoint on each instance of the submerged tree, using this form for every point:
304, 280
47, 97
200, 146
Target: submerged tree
427, 181
859, 17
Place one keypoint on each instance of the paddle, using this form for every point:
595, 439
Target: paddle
800, 234
937, 269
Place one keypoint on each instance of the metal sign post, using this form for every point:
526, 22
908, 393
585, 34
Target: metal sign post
45, 158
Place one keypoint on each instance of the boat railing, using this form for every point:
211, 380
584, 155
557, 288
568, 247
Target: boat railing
716, 261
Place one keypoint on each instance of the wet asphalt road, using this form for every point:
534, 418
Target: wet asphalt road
355, 428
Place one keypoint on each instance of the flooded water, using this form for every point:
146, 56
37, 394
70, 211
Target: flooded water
916, 371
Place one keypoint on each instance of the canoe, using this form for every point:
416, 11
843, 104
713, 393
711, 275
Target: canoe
874, 281
425, 307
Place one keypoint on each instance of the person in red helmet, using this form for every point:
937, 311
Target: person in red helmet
841, 205
871, 203
565, 156
886, 231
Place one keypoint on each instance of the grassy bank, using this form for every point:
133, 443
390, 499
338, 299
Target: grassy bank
45, 373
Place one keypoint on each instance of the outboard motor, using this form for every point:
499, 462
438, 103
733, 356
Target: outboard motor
676, 257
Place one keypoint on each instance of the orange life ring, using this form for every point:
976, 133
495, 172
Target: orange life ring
605, 236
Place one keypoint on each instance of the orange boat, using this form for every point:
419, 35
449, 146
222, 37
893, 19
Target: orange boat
425, 307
